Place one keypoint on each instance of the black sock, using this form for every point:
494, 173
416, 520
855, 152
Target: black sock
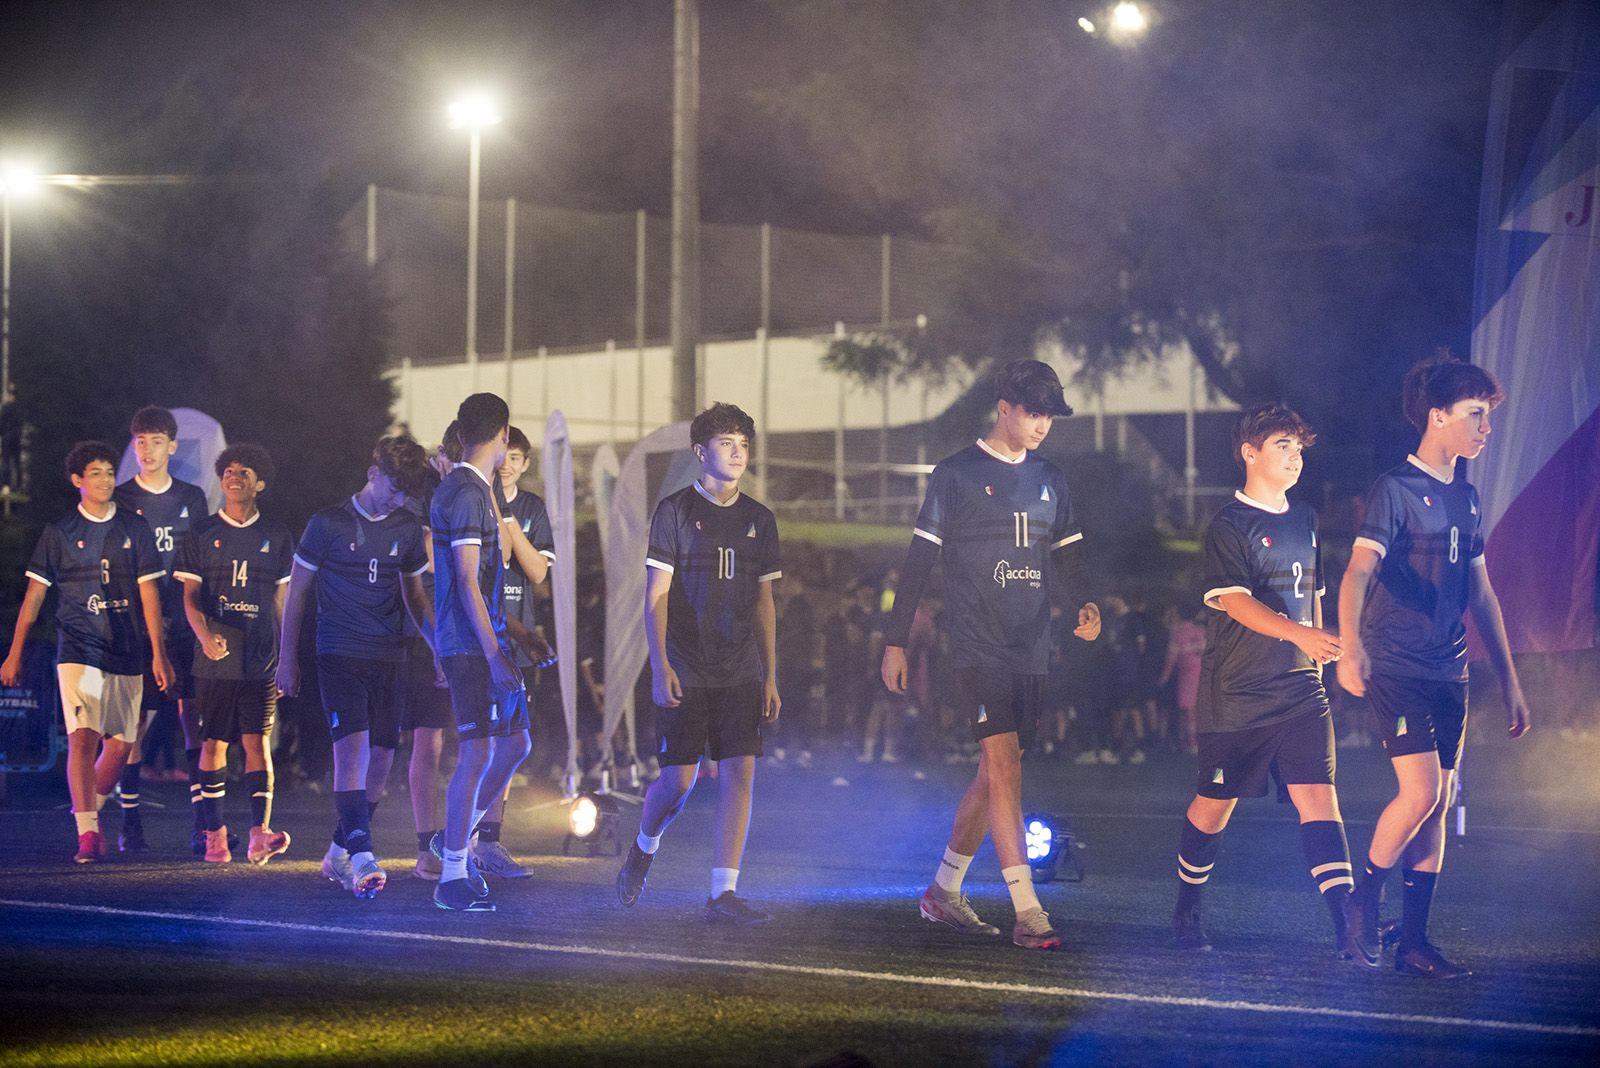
1328, 857
352, 806
259, 785
489, 832
1197, 855
1369, 888
213, 788
424, 840
338, 832
128, 789
1415, 902
193, 757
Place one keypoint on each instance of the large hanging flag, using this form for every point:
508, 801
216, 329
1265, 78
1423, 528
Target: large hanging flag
1538, 325
556, 465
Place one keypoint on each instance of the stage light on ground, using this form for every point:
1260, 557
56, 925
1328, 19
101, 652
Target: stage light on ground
1127, 17
584, 817
1049, 845
592, 823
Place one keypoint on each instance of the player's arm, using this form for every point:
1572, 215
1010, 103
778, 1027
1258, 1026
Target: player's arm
596, 688
214, 646
533, 564
150, 605
302, 580
1485, 609
1069, 565
920, 558
767, 638
1354, 667
466, 556
419, 606
665, 689
1245, 610
11, 671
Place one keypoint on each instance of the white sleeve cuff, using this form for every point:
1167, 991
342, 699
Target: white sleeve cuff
770, 575
152, 576
303, 562
423, 570
1068, 540
658, 565
1479, 561
1213, 597
549, 554
187, 576
919, 532
1376, 546
466, 541
285, 578
40, 579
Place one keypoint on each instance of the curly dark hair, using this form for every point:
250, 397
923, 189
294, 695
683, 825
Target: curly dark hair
1255, 425
84, 453
250, 455
721, 418
154, 420
404, 461
1440, 381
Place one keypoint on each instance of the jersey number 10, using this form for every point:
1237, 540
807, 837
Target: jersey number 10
724, 563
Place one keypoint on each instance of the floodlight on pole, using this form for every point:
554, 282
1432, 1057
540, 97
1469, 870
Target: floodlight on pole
15, 179
472, 113
1128, 18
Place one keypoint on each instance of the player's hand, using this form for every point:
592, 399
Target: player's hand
1354, 670
215, 647
503, 674
161, 671
439, 681
1088, 627
288, 678
1519, 719
771, 704
11, 670
665, 689
894, 668
1319, 645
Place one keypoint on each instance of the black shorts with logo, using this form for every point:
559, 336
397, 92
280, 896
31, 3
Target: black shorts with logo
233, 707
361, 695
423, 705
180, 654
1000, 704
1420, 716
720, 721
479, 711
1237, 763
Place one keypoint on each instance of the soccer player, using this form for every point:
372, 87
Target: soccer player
487, 694
525, 518
235, 573
171, 507
364, 560
103, 562
712, 627
1417, 568
1002, 518
1261, 701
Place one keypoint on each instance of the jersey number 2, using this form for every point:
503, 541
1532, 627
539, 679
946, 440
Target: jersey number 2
1299, 573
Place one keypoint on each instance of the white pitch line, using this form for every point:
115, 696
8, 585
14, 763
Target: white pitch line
1071, 993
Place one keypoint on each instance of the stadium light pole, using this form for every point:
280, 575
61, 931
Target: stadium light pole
13, 180
473, 113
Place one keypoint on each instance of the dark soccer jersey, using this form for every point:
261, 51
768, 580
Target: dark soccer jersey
97, 565
529, 512
239, 569
718, 556
359, 560
463, 514
1248, 679
997, 523
172, 513
1429, 534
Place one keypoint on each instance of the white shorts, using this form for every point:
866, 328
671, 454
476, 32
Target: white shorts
104, 703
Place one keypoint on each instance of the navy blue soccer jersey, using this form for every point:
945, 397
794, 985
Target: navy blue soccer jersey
997, 522
1248, 679
239, 568
97, 565
718, 555
172, 513
359, 560
463, 513
527, 510
1429, 533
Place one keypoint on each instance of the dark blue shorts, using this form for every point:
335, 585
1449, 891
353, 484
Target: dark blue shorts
479, 711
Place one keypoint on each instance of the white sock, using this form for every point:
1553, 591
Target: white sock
477, 818
100, 801
724, 880
952, 869
1019, 880
87, 821
455, 865
646, 844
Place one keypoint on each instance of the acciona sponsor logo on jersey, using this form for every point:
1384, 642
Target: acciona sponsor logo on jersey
1004, 573
96, 604
225, 605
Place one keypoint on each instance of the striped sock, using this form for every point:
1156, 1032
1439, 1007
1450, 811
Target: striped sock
1328, 856
1197, 855
128, 787
259, 786
213, 788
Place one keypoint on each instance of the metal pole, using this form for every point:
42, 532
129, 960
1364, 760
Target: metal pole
764, 349
611, 416
372, 225
685, 317
1100, 420
1190, 471
838, 442
472, 259
639, 250
883, 426
511, 287
544, 379
5, 304
410, 391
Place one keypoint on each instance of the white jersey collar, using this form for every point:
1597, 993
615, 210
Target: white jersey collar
708, 495
1428, 469
363, 512
95, 518
232, 522
985, 446
1244, 498
142, 484
480, 474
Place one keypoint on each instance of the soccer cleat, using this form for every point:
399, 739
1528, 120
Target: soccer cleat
1033, 931
1347, 934
630, 880
457, 895
217, 851
1426, 962
368, 878
131, 838
336, 867
730, 908
428, 867
266, 843
1188, 933
493, 858
197, 841
1389, 933
952, 909
1361, 923
480, 885
91, 847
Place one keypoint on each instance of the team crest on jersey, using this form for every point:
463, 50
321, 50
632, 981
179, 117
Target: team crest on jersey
394, 550
1474, 508
697, 525
127, 543
352, 546
183, 513
266, 545
751, 532
1216, 777
80, 543
1400, 727
989, 490
1044, 493
983, 713
1266, 541
1427, 500
217, 544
